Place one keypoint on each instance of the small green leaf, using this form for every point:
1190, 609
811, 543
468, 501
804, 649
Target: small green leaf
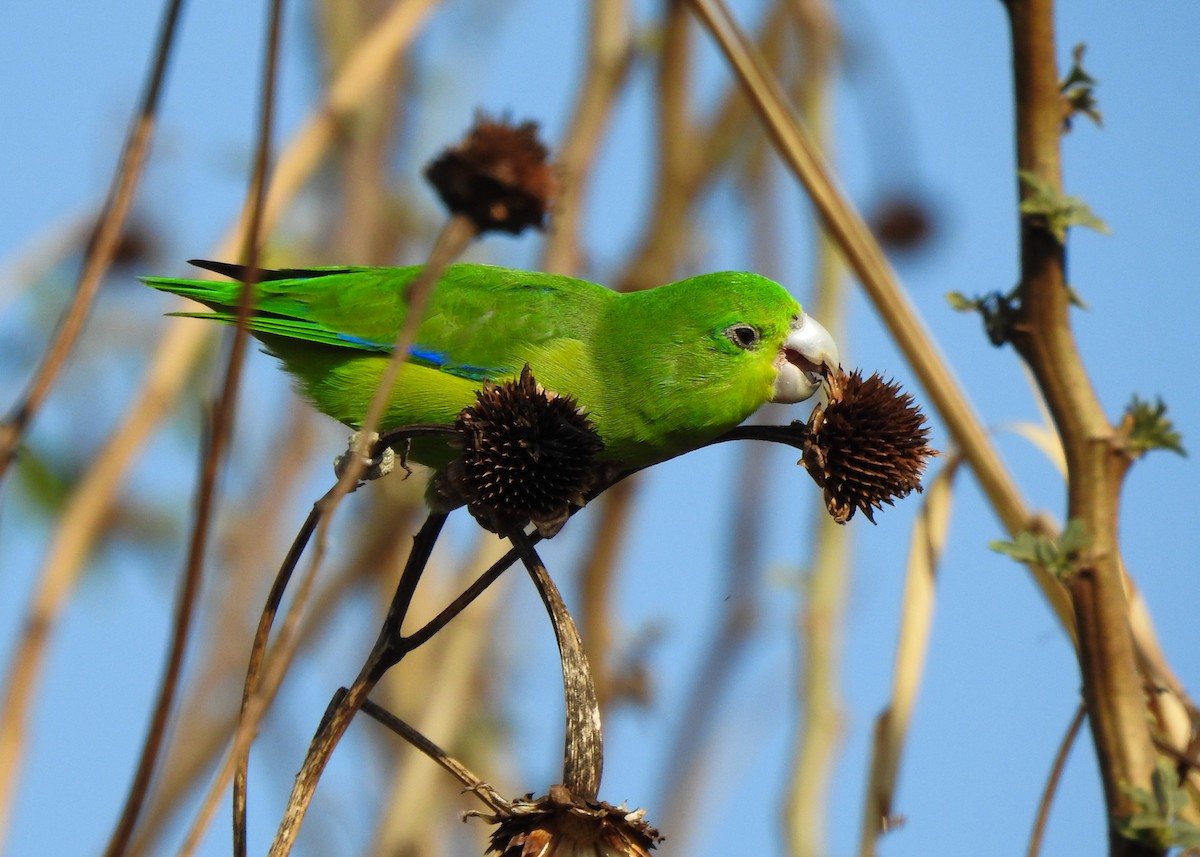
1150, 428
1058, 210
1156, 819
1078, 90
1057, 556
1023, 548
961, 303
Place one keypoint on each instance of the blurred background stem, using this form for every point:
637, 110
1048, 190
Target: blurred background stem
820, 615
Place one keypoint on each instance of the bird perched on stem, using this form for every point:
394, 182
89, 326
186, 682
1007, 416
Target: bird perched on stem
657, 372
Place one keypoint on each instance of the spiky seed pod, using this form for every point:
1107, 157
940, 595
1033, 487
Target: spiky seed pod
867, 447
498, 177
528, 454
560, 825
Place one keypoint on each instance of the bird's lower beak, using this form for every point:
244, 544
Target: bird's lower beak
807, 351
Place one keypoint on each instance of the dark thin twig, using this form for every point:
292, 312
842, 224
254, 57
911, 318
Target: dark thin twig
222, 428
493, 799
393, 437
258, 651
427, 631
386, 648
1060, 762
103, 246
345, 704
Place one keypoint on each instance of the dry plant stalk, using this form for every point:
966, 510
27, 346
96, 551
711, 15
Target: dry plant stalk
1112, 683
1096, 601
213, 453
606, 69
916, 623
1096, 460
821, 610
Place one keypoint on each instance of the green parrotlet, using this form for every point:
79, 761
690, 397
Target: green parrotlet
659, 372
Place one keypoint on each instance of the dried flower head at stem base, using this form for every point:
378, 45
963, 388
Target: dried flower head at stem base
561, 825
499, 177
867, 447
528, 454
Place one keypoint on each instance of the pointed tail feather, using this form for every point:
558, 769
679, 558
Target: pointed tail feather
212, 294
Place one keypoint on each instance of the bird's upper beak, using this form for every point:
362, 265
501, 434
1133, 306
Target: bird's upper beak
807, 349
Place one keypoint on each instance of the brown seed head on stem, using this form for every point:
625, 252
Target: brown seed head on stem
528, 454
499, 177
563, 825
867, 447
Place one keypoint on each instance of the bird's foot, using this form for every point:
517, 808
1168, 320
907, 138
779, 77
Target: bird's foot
376, 467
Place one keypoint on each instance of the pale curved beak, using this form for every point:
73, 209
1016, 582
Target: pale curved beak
808, 348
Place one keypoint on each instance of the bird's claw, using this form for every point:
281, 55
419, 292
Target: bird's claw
379, 466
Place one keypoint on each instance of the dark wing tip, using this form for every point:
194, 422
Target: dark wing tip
239, 272
226, 269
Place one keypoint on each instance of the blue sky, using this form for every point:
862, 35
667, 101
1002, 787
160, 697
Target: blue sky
927, 104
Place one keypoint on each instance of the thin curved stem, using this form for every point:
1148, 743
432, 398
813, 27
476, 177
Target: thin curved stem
1056, 770
258, 651
490, 797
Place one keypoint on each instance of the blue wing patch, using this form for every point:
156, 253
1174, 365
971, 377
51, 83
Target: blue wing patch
437, 360
427, 357
365, 343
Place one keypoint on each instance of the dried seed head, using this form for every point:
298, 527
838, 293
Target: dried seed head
528, 454
904, 223
560, 825
498, 177
867, 447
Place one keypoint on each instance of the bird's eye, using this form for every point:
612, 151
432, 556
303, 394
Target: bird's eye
743, 336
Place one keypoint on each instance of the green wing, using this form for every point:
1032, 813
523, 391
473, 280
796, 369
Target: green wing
481, 322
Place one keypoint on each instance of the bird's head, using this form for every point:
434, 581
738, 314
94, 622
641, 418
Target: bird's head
765, 334
738, 334
712, 350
